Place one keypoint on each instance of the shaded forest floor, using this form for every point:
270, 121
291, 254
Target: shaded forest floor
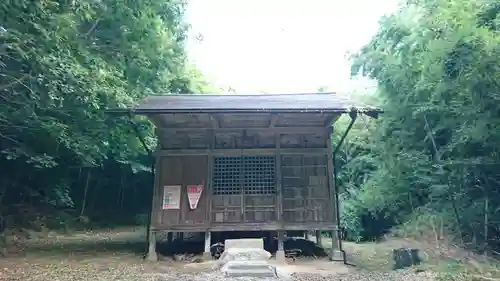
117, 255
107, 255
102, 255
449, 263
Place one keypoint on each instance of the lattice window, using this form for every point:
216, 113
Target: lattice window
259, 177
226, 175
253, 174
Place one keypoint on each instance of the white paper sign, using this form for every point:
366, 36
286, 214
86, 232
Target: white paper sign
194, 193
171, 197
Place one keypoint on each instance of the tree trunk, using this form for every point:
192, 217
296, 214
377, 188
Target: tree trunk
85, 192
451, 194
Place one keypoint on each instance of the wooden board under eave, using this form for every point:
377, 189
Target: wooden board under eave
184, 171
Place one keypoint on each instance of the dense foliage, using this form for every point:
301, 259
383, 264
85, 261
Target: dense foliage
431, 163
61, 64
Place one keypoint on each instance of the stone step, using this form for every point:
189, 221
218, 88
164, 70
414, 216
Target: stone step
261, 274
249, 268
252, 243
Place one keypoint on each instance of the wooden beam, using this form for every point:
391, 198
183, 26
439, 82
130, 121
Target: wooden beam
251, 151
215, 121
237, 226
330, 119
281, 130
157, 121
272, 122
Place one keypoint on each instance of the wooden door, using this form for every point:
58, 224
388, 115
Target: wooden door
244, 189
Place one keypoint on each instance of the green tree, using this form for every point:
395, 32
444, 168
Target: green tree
62, 63
434, 153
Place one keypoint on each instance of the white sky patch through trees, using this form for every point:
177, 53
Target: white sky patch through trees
282, 46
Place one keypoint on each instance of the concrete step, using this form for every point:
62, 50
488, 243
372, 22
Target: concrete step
249, 268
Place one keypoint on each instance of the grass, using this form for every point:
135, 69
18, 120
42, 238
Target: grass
118, 255
110, 255
449, 263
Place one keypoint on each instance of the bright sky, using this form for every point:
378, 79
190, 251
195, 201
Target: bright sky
281, 46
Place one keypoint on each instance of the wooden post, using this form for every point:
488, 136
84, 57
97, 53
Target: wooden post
319, 240
152, 256
269, 240
279, 197
207, 255
280, 254
155, 215
156, 201
335, 251
208, 185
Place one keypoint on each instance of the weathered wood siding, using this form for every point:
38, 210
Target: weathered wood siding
306, 197
239, 193
243, 208
184, 171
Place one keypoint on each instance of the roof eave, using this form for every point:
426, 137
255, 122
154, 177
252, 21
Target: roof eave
372, 112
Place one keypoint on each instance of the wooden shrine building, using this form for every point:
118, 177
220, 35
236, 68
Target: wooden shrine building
245, 162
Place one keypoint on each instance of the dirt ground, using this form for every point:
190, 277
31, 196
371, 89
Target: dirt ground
117, 255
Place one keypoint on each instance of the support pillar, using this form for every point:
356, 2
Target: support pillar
336, 250
319, 238
170, 237
180, 236
152, 255
268, 240
207, 254
306, 234
280, 254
